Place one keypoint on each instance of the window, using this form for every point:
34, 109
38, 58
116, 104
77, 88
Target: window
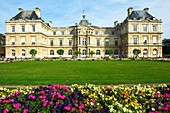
54, 33
116, 52
51, 52
107, 42
84, 52
97, 52
61, 42
33, 28
145, 52
84, 41
98, 42
13, 40
23, 52
23, 28
71, 33
96, 32
89, 40
13, 52
154, 40
154, 28
144, 28
105, 33
51, 42
112, 32
154, 51
33, 40
62, 33
135, 40
70, 42
116, 42
145, 40
13, 28
23, 40
70, 52
134, 27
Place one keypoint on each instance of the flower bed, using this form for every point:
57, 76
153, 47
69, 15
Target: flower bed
88, 98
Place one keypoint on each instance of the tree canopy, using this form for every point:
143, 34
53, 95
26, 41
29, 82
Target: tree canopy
109, 51
33, 52
60, 51
136, 51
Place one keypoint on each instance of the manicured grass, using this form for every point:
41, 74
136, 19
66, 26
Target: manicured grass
82, 72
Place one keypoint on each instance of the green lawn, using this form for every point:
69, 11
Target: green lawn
82, 72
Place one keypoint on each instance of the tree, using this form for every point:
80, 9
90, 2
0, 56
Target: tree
166, 46
33, 52
91, 53
109, 51
60, 51
76, 52
136, 52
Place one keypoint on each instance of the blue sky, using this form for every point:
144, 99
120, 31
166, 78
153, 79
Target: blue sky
65, 13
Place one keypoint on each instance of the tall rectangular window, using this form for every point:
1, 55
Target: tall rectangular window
70, 52
13, 52
23, 52
54, 33
116, 42
154, 40
51, 42
98, 42
33, 28
134, 27
107, 42
23, 28
62, 33
13, 28
96, 32
154, 28
144, 28
61, 42
33, 40
135, 40
23, 40
70, 42
13, 40
84, 41
145, 40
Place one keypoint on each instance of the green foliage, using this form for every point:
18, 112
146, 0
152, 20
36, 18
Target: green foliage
60, 51
136, 51
166, 47
91, 53
109, 51
33, 52
76, 52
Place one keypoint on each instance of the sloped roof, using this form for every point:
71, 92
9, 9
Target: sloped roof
140, 15
84, 21
26, 15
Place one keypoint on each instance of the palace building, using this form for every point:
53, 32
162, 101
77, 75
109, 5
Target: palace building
27, 30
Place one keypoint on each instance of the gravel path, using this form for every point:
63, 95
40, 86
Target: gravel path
15, 86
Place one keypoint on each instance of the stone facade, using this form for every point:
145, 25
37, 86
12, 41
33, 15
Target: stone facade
139, 30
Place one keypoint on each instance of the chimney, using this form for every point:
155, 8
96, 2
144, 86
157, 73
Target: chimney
130, 9
20, 10
75, 24
37, 11
115, 23
146, 9
50, 23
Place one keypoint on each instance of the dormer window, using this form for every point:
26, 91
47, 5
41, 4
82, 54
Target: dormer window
62, 33
13, 28
154, 28
96, 32
33, 28
23, 28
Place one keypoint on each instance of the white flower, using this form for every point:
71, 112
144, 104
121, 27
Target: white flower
153, 109
124, 109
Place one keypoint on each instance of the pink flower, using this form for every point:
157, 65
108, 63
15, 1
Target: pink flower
25, 111
43, 99
44, 104
167, 95
63, 97
156, 94
49, 87
54, 89
6, 110
12, 100
16, 105
12, 94
157, 112
76, 104
7, 97
67, 107
50, 102
41, 92
72, 110
47, 90
151, 112
93, 101
163, 95
32, 97
69, 91
0, 100
17, 93
57, 103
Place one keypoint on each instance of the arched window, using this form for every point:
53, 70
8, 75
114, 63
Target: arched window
145, 52
70, 52
13, 52
51, 52
155, 52
116, 52
23, 52
84, 52
97, 52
